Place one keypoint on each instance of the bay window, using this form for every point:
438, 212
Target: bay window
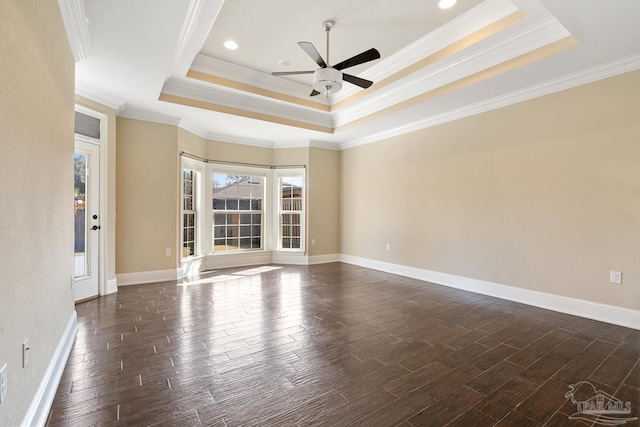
234, 209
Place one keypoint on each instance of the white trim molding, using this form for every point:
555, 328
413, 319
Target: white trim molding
41, 404
75, 22
139, 278
99, 96
591, 310
111, 287
292, 258
323, 259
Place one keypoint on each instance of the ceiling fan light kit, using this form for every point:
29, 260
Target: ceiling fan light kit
328, 79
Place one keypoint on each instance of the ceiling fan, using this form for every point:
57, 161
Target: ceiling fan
328, 79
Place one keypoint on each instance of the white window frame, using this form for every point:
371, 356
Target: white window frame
279, 175
266, 204
198, 168
205, 258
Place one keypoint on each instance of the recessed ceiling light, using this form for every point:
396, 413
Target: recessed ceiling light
446, 4
230, 44
284, 63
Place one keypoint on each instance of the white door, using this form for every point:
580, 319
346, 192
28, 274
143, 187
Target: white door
87, 220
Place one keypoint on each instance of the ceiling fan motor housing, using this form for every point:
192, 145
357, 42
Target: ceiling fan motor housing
327, 80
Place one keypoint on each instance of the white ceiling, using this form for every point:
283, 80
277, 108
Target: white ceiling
163, 60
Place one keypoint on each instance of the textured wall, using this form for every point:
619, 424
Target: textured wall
147, 196
36, 190
542, 195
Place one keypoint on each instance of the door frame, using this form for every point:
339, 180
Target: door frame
103, 288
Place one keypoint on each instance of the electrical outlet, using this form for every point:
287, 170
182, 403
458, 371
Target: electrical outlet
313, 242
3, 383
616, 277
167, 251
388, 246
26, 349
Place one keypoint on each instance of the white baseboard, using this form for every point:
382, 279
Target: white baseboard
323, 259
139, 278
198, 264
111, 287
41, 404
289, 258
573, 306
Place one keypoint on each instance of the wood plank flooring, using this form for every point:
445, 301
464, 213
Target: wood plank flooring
333, 345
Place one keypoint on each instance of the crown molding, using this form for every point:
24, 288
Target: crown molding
75, 22
193, 128
150, 116
238, 99
215, 67
197, 25
487, 13
188, 28
213, 136
100, 97
324, 145
470, 22
456, 67
291, 144
589, 75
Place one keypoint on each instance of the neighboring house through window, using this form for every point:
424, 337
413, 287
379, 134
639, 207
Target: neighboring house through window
237, 211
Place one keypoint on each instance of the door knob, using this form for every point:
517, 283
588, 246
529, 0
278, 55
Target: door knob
95, 227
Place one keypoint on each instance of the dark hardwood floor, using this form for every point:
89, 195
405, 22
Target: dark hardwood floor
334, 345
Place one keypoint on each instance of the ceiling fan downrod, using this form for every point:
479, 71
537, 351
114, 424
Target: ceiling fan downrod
327, 26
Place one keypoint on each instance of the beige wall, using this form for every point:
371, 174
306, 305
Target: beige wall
147, 196
297, 156
228, 152
190, 143
323, 214
36, 190
111, 181
543, 195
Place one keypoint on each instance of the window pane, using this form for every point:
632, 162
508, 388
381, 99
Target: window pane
189, 217
219, 232
232, 204
218, 204
219, 245
238, 198
295, 243
244, 204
